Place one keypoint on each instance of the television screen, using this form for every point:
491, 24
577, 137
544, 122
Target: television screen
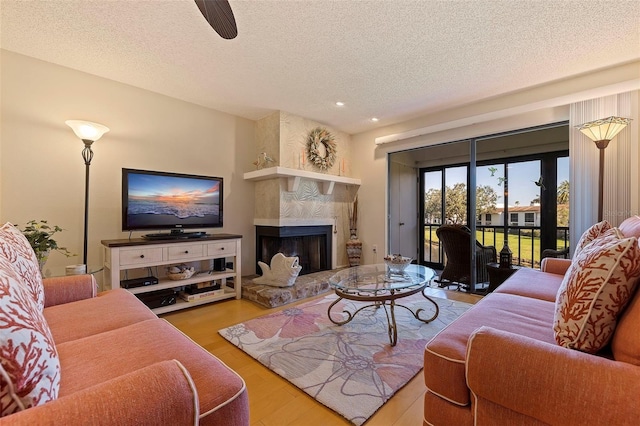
160, 200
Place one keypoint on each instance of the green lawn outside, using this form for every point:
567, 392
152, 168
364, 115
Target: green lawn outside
525, 246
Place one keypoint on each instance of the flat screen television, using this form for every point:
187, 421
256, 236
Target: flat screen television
153, 200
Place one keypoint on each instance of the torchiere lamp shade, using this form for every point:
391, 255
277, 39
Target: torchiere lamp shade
601, 132
86, 130
604, 129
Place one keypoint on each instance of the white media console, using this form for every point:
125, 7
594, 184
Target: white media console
138, 258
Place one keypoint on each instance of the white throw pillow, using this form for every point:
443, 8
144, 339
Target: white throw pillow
29, 364
15, 248
591, 234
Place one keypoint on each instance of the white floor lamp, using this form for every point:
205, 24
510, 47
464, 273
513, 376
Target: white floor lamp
88, 132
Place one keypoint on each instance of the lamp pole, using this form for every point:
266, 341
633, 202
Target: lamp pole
601, 147
87, 156
88, 133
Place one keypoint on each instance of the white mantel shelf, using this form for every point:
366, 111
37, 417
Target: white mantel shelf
293, 177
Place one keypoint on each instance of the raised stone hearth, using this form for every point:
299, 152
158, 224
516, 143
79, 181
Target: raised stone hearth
271, 297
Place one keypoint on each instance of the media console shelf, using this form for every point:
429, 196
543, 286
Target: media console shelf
139, 257
293, 178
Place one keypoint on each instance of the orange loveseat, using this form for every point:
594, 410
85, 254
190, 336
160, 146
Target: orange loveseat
499, 363
122, 365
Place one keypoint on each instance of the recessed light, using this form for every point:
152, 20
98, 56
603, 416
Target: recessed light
374, 119
339, 103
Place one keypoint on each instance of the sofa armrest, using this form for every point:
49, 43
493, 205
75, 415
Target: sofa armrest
59, 290
550, 383
555, 265
162, 393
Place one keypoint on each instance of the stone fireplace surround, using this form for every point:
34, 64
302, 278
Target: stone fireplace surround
291, 193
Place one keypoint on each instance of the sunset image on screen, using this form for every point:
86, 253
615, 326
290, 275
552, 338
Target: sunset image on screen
172, 196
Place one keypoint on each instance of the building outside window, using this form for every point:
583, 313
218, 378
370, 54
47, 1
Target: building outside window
515, 209
529, 219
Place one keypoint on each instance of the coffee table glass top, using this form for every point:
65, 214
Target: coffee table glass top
376, 278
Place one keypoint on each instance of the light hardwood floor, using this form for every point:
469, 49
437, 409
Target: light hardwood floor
273, 401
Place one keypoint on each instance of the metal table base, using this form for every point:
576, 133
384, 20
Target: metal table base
384, 298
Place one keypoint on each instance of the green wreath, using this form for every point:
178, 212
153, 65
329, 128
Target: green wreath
317, 137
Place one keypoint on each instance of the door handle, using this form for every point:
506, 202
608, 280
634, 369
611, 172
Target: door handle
401, 223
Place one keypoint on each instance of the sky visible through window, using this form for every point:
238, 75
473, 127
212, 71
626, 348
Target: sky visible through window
522, 178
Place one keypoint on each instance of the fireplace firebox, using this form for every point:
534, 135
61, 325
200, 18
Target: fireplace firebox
312, 245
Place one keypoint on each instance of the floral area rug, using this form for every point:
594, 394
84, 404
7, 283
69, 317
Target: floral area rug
352, 368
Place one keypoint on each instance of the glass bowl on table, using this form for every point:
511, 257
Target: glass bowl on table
396, 264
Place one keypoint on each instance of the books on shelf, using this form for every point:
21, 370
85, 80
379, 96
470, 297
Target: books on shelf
202, 290
198, 296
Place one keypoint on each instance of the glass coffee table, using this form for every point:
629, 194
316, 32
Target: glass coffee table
374, 283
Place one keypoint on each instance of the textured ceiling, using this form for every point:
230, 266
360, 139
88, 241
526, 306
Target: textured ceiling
394, 60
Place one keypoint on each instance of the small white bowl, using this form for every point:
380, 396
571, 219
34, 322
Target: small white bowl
396, 264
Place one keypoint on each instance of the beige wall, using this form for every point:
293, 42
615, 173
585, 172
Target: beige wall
42, 171
536, 106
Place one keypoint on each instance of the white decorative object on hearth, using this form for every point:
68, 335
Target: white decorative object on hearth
282, 273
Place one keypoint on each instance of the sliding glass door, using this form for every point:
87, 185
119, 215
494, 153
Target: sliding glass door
520, 189
519, 182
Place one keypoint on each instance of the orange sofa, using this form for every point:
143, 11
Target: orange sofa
499, 362
122, 365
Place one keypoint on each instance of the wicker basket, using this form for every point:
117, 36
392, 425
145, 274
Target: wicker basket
187, 273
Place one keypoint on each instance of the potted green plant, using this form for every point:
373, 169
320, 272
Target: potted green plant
39, 234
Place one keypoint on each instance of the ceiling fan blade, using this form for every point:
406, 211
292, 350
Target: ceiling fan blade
220, 16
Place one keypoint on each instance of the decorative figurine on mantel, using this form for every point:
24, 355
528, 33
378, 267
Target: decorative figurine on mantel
263, 161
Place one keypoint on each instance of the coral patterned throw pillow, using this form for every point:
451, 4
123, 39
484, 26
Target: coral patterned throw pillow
591, 234
594, 291
29, 364
16, 249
